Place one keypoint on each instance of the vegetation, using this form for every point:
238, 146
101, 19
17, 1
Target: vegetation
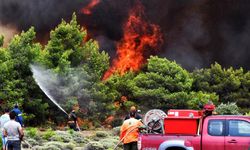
61, 140
228, 109
161, 83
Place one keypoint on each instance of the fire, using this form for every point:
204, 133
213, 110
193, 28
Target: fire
87, 10
139, 36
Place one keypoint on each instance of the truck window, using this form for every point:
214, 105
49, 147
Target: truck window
239, 128
216, 127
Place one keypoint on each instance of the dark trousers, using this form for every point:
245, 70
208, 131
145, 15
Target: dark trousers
13, 145
73, 126
130, 146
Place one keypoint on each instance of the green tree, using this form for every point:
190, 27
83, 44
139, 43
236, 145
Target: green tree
162, 82
232, 85
201, 98
80, 64
64, 48
6, 67
17, 84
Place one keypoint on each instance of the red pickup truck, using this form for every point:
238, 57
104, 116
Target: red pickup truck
192, 130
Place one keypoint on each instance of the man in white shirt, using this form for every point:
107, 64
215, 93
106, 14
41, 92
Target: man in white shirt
14, 133
3, 119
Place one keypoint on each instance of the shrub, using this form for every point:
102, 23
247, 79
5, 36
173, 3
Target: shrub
33, 142
101, 134
32, 132
228, 109
68, 146
109, 142
47, 134
95, 146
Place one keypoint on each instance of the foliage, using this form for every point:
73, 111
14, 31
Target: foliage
201, 98
232, 85
49, 133
31, 132
163, 81
17, 84
227, 109
36, 111
95, 145
1, 40
101, 134
80, 64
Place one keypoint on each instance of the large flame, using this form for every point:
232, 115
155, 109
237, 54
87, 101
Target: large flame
87, 10
139, 36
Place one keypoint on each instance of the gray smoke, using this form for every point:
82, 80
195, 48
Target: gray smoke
196, 32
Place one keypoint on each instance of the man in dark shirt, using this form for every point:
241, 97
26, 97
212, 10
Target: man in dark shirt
133, 110
73, 121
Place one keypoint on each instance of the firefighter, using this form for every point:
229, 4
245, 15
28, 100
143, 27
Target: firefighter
129, 132
73, 124
134, 110
19, 117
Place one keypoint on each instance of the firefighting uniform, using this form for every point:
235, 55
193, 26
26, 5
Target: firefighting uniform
129, 130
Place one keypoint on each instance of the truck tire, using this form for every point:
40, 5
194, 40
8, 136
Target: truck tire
175, 148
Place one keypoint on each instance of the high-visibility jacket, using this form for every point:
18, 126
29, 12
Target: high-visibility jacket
19, 117
129, 130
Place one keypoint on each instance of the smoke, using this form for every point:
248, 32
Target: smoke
196, 33
8, 32
61, 88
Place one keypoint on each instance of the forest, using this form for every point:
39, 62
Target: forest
71, 67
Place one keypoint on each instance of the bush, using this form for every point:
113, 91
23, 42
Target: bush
248, 114
95, 146
31, 132
101, 134
228, 109
49, 133
109, 143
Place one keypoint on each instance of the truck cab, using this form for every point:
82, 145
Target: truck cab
226, 133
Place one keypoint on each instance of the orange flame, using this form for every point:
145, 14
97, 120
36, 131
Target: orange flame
139, 36
87, 10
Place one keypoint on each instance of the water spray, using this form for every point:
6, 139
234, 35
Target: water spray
37, 75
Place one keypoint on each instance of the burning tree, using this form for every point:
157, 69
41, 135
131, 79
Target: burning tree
140, 38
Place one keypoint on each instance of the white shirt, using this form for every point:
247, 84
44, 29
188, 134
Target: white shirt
12, 127
3, 119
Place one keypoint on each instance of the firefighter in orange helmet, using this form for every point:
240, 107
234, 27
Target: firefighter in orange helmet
129, 132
